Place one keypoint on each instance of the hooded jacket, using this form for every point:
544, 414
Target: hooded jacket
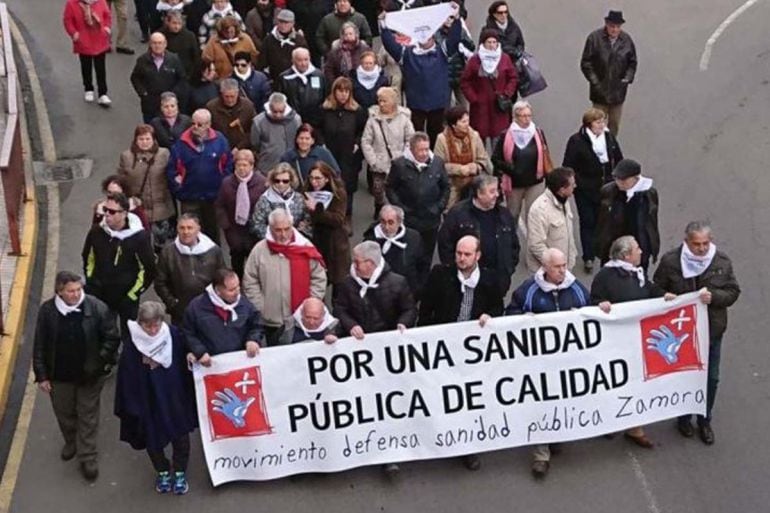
92, 40
201, 169
271, 137
529, 297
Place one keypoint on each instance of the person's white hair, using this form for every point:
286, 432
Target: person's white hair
521, 105
551, 253
622, 247
279, 214
299, 51
202, 115
395, 209
151, 311
368, 250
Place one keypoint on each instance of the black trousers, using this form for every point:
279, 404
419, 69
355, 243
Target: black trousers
428, 238
180, 455
429, 121
89, 64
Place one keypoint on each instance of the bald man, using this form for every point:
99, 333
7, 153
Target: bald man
155, 72
313, 321
304, 86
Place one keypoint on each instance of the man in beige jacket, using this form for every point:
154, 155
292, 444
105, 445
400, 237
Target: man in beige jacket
281, 272
550, 220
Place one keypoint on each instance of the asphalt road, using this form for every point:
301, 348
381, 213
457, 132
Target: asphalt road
702, 135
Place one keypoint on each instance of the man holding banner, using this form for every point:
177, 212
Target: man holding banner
698, 265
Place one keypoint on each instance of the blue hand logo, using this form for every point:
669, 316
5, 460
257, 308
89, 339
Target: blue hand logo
232, 406
666, 344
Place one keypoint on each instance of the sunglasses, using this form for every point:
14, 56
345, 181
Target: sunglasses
282, 180
112, 211
501, 12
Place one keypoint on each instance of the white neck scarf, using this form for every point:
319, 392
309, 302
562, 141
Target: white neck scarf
283, 40
218, 301
282, 200
202, 245
66, 309
419, 50
643, 184
502, 26
243, 76
134, 227
158, 348
229, 41
368, 79
490, 59
694, 265
224, 12
328, 321
471, 281
599, 145
522, 136
405, 4
297, 240
547, 286
622, 264
302, 75
372, 283
390, 241
410, 157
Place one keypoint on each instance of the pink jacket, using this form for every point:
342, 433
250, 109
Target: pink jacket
92, 40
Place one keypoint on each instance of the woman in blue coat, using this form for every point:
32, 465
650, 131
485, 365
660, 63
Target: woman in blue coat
155, 397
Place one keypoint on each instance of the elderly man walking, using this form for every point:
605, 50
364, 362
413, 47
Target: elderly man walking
697, 264
281, 272
552, 289
305, 87
232, 114
550, 220
273, 131
76, 342
156, 71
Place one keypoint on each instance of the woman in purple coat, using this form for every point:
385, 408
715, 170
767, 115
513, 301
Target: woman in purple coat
154, 396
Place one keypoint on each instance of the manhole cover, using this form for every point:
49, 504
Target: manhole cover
62, 170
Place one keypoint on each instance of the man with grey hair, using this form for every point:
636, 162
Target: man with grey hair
155, 72
278, 45
76, 342
231, 114
304, 86
697, 264
273, 131
182, 42
199, 161
401, 246
418, 183
281, 272
484, 217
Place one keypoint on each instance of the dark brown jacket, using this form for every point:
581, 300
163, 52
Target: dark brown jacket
234, 122
718, 278
331, 237
608, 68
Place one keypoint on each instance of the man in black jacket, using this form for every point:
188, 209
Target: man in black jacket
482, 217
418, 183
609, 64
279, 44
76, 342
182, 42
118, 259
698, 265
401, 246
156, 72
304, 86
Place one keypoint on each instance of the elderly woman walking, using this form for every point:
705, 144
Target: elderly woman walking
154, 396
89, 24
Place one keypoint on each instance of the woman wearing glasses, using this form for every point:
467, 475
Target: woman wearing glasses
511, 38
282, 192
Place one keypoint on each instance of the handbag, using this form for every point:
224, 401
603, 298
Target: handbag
502, 102
547, 162
531, 79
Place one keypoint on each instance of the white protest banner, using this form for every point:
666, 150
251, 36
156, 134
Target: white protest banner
421, 23
451, 390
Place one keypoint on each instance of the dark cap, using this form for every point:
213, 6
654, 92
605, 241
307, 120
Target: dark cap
489, 33
615, 17
627, 168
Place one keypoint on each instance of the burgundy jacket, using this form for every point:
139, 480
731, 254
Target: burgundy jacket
481, 92
238, 237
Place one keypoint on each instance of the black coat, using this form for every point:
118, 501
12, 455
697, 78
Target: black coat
617, 285
608, 69
462, 219
440, 303
185, 45
167, 135
277, 58
422, 194
512, 40
590, 174
342, 129
149, 82
718, 278
101, 339
306, 99
367, 97
403, 261
381, 309
612, 225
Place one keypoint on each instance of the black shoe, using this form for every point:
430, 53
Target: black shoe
472, 462
144, 38
90, 470
540, 469
68, 451
124, 50
706, 433
588, 266
391, 470
685, 428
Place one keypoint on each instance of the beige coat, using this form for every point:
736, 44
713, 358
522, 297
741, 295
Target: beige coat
456, 178
397, 129
267, 284
156, 198
549, 225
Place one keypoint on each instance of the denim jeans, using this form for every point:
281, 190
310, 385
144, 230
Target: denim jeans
715, 354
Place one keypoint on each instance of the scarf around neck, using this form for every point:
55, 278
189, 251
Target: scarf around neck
410, 157
368, 79
217, 301
547, 286
599, 145
372, 283
203, 244
299, 252
134, 227
242, 202
302, 75
284, 201
471, 281
158, 348
643, 184
522, 136
380, 234
66, 309
622, 264
284, 40
459, 147
694, 265
243, 76
490, 59
326, 323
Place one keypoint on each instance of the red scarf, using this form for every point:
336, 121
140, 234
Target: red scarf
299, 264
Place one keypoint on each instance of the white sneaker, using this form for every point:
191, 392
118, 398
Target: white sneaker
104, 101
89, 96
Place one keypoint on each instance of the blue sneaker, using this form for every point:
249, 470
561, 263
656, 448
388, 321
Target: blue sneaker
163, 482
180, 484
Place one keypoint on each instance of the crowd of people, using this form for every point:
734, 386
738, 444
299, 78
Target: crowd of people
258, 118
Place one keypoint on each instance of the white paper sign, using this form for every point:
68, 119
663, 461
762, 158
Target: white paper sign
421, 23
451, 390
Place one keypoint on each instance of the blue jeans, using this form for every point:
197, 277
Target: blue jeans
715, 354
588, 211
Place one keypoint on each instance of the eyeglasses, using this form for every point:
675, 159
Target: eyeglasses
281, 180
501, 12
112, 211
